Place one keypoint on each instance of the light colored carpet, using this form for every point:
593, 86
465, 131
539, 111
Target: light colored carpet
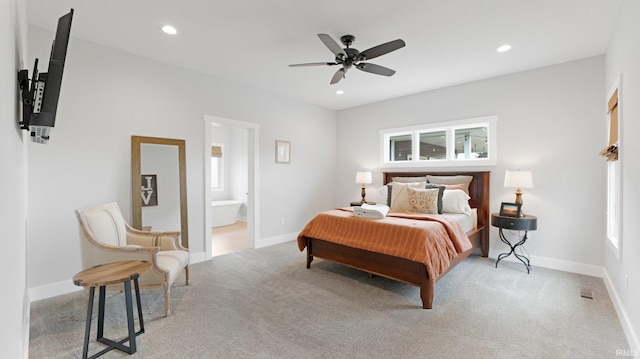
264, 304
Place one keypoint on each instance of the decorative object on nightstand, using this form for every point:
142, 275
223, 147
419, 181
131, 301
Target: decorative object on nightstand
518, 180
525, 223
363, 178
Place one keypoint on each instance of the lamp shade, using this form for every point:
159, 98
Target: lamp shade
518, 179
363, 177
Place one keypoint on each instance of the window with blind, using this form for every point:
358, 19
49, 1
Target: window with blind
217, 167
611, 154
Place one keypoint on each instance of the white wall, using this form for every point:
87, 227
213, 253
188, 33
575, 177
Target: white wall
623, 57
107, 96
14, 300
550, 122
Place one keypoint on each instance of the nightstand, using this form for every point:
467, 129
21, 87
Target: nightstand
526, 223
358, 203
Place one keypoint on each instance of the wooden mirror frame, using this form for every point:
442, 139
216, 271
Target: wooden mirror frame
136, 182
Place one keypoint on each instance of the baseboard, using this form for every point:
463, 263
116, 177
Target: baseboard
629, 332
65, 287
551, 263
26, 326
52, 290
197, 257
265, 242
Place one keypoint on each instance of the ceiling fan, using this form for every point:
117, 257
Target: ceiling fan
349, 57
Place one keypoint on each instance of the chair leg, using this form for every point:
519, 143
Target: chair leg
167, 302
186, 273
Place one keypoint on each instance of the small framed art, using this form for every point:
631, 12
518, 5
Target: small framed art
283, 151
149, 190
510, 209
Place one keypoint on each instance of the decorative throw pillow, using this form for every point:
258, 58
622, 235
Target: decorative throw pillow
440, 189
389, 192
423, 200
400, 195
455, 201
459, 179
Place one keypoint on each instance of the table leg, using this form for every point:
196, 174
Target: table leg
505, 241
101, 300
87, 329
137, 288
520, 257
129, 302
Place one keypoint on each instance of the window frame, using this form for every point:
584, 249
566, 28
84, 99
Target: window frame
449, 127
614, 181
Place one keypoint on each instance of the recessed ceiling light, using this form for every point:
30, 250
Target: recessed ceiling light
339, 92
504, 48
168, 29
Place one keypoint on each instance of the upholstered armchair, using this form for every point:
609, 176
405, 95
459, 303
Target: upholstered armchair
106, 237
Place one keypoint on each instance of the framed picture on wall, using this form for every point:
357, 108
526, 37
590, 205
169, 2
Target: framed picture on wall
149, 190
510, 209
283, 151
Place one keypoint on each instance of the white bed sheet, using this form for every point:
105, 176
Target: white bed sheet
467, 222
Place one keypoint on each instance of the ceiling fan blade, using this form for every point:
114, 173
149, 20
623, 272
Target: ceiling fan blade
339, 75
332, 45
375, 69
381, 49
314, 64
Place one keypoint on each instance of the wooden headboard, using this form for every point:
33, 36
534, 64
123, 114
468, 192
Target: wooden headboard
478, 191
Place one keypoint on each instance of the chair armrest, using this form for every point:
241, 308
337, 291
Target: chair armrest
95, 252
165, 240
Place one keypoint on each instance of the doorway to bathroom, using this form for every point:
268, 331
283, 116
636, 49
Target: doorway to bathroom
230, 185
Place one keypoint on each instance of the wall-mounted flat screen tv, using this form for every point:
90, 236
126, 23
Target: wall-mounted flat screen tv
40, 97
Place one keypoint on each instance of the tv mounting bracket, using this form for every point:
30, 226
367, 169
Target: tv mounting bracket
28, 90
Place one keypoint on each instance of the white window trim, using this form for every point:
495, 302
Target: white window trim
449, 127
614, 235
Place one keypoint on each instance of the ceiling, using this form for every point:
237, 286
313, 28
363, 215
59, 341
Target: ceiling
252, 41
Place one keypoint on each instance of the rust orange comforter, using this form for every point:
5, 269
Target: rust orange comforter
429, 239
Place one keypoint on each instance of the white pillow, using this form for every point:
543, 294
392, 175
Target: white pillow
384, 193
455, 201
400, 195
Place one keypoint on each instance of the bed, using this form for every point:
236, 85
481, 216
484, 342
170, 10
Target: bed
410, 271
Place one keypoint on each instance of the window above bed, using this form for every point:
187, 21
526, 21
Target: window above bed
469, 142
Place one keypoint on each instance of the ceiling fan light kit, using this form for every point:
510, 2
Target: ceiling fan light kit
349, 57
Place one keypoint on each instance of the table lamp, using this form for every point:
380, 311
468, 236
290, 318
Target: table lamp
363, 178
518, 180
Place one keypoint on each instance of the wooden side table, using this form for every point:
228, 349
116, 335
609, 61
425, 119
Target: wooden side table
102, 276
526, 223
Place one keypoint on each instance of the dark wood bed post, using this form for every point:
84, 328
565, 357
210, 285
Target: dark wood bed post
309, 251
483, 213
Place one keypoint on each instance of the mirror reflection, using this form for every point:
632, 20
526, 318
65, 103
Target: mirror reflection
159, 185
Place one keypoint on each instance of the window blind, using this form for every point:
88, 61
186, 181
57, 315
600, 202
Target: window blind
611, 151
216, 151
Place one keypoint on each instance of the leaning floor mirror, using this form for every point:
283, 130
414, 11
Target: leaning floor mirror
158, 185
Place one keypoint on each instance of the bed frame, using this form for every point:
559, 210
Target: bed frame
404, 270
